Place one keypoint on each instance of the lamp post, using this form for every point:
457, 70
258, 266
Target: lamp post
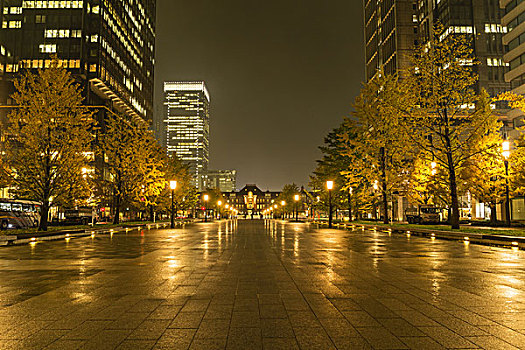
283, 203
206, 198
296, 199
219, 203
506, 154
329, 187
173, 186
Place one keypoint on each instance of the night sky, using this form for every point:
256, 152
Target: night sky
281, 74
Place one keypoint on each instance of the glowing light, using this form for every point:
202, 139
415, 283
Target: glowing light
329, 185
173, 184
505, 146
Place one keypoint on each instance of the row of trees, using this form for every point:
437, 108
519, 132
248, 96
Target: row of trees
428, 136
59, 152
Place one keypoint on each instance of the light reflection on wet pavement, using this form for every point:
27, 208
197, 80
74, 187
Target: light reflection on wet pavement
260, 284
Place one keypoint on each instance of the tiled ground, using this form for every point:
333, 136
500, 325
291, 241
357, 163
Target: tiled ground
256, 284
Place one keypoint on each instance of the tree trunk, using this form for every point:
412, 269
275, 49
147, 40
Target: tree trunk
454, 217
493, 215
116, 218
151, 213
44, 216
349, 206
384, 186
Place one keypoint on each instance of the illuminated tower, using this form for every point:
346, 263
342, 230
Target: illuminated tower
389, 35
188, 126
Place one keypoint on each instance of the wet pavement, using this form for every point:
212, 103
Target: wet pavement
260, 284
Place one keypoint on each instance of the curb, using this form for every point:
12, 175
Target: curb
466, 237
25, 238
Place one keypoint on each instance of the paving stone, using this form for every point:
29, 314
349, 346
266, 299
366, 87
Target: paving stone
208, 344
136, 345
447, 338
176, 339
187, 320
149, 330
244, 338
276, 328
280, 344
381, 338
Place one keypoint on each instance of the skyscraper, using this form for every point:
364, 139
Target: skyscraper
389, 35
188, 126
108, 46
514, 16
480, 19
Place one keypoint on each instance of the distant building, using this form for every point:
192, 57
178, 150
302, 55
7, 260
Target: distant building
224, 180
251, 200
188, 126
389, 35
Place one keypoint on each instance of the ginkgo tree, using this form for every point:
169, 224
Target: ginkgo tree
48, 140
131, 160
448, 119
378, 147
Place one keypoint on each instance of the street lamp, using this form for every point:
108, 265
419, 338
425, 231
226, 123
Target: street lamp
329, 187
206, 198
296, 199
505, 147
283, 203
219, 203
173, 186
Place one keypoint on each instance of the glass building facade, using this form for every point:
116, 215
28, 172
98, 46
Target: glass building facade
514, 38
224, 180
480, 19
188, 126
389, 35
108, 45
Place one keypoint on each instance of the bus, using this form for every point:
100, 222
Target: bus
18, 213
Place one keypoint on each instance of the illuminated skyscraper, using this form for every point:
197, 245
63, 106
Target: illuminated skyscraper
108, 46
478, 19
188, 126
389, 35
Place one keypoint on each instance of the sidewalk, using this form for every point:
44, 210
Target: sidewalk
34, 237
468, 237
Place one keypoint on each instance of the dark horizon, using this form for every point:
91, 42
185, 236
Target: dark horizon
280, 76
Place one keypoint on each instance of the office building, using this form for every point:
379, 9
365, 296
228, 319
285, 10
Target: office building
188, 126
107, 45
480, 20
514, 38
224, 180
389, 35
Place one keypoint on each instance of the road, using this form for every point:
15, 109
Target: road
260, 284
